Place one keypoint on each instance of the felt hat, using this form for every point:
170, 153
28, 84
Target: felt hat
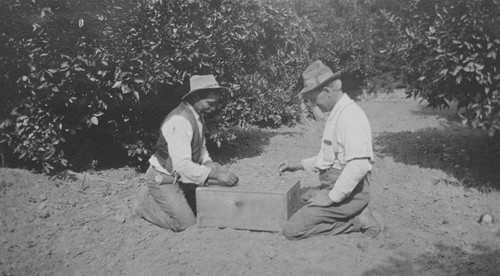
316, 76
204, 82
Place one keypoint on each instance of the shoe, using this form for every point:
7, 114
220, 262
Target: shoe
137, 209
372, 223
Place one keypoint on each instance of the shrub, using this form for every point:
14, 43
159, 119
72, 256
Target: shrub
79, 76
342, 34
450, 50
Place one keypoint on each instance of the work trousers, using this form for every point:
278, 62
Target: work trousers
332, 220
171, 206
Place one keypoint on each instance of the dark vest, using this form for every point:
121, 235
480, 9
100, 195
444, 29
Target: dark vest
196, 142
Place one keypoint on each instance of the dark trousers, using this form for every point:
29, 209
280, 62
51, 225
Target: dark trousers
332, 220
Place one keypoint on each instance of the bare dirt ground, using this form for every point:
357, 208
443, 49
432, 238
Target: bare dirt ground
431, 182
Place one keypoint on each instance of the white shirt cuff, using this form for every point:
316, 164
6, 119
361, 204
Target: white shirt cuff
204, 175
351, 175
153, 161
309, 163
336, 196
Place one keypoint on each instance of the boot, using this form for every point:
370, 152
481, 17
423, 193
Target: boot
371, 223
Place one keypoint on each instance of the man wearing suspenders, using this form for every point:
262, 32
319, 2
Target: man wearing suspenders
344, 163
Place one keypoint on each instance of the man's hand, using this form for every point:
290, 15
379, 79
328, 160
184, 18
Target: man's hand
283, 167
286, 166
227, 178
320, 199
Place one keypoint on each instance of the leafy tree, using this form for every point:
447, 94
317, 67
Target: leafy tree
342, 33
450, 52
83, 76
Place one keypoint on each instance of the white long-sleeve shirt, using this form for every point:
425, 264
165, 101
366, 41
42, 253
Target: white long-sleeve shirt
178, 133
346, 145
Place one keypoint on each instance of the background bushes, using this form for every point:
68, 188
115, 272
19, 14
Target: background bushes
85, 77
342, 35
449, 52
87, 83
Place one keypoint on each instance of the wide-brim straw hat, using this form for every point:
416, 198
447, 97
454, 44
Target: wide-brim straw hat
317, 75
204, 82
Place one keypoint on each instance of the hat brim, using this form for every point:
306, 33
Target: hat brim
305, 90
220, 89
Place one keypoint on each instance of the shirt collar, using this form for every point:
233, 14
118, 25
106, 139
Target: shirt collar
191, 108
344, 100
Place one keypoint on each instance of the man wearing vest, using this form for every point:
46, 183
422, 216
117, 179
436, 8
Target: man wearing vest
181, 161
343, 164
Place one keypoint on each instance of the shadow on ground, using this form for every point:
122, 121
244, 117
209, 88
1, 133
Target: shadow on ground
470, 156
449, 113
446, 260
249, 143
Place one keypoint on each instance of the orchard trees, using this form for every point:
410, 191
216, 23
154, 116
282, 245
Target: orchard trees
450, 51
80, 76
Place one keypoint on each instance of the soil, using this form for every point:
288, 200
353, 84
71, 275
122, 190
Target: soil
432, 182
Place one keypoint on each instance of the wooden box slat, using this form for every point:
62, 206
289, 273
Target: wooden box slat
255, 207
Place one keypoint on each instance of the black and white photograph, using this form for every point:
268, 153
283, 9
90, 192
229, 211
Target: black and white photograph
250, 137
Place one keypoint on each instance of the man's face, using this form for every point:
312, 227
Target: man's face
319, 98
209, 103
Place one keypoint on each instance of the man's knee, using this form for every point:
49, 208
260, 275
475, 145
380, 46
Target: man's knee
184, 223
290, 232
288, 235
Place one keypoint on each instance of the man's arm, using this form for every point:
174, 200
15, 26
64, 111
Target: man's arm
308, 164
216, 176
353, 172
355, 136
224, 178
178, 133
288, 166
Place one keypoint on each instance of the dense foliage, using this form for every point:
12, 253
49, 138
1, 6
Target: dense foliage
342, 35
450, 51
81, 77
86, 80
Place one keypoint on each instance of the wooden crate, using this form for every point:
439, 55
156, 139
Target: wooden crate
255, 204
